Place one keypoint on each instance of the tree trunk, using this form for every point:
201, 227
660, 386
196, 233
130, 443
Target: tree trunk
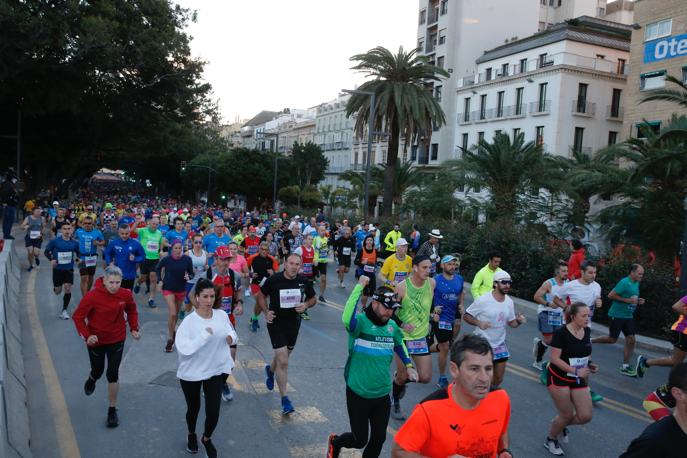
390, 171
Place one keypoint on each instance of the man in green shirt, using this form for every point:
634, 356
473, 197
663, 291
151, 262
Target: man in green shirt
625, 297
151, 239
484, 278
390, 241
372, 341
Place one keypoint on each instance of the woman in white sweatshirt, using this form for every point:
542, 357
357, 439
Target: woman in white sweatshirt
203, 341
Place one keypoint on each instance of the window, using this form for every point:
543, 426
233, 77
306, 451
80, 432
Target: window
466, 109
516, 132
440, 62
582, 98
504, 70
658, 29
654, 126
615, 103
464, 141
499, 104
600, 56
442, 36
444, 7
421, 44
601, 12
653, 80
612, 137
437, 93
518, 100
542, 59
578, 139
621, 66
480, 137
483, 106
541, 100
355, 164
423, 16
488, 74
413, 153
539, 135
435, 151
523, 65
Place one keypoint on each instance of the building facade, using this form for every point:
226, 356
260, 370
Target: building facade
659, 48
334, 134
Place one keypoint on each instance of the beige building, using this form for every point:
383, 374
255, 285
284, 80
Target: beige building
659, 48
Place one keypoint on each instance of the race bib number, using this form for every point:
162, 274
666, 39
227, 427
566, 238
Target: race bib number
64, 257
324, 253
90, 261
34, 235
578, 363
226, 303
370, 269
417, 347
501, 352
289, 298
152, 246
400, 276
252, 249
346, 251
447, 325
307, 268
554, 319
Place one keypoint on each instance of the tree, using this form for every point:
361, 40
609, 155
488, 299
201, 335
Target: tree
404, 106
405, 177
677, 96
357, 181
432, 199
307, 164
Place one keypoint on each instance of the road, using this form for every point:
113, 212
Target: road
66, 423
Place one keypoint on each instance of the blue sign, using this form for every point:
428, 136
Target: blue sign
665, 48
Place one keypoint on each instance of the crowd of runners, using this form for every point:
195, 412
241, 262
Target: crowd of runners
408, 302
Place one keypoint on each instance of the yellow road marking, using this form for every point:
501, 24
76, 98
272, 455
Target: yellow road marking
307, 414
333, 305
66, 439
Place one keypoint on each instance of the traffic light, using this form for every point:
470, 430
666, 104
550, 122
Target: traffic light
183, 166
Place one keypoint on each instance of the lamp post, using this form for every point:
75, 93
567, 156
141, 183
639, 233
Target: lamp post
210, 170
276, 164
370, 128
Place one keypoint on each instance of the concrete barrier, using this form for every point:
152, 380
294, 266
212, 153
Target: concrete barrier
14, 416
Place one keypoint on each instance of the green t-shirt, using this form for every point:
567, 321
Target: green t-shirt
415, 308
626, 288
151, 242
321, 245
370, 351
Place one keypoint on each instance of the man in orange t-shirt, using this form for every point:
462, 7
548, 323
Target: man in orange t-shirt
465, 420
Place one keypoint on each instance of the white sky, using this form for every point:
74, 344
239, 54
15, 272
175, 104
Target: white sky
273, 54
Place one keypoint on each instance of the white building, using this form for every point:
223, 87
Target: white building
454, 33
562, 87
334, 134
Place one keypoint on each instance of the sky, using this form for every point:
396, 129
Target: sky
275, 54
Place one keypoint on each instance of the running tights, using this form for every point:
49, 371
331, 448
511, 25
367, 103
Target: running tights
97, 355
366, 416
212, 388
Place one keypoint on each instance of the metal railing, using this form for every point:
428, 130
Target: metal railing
614, 112
583, 108
582, 149
540, 107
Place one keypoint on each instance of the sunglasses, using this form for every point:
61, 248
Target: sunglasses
197, 242
506, 282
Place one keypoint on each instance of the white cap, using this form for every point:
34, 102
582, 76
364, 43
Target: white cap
401, 241
501, 275
55, 203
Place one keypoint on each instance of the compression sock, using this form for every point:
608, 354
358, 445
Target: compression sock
541, 349
65, 300
395, 392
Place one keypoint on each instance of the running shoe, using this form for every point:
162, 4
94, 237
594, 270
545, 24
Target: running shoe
269, 380
89, 386
564, 436
192, 444
342, 285
151, 303
305, 316
553, 447
629, 371
227, 395
641, 366
38, 261
535, 348
254, 325
137, 288
539, 365
286, 406
169, 346
64, 315
596, 397
210, 449
443, 382
112, 418
396, 412
332, 451
321, 299
29, 269
543, 373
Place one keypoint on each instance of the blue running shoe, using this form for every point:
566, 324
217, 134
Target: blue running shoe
137, 288
443, 382
30, 269
227, 395
286, 406
269, 381
254, 325
151, 304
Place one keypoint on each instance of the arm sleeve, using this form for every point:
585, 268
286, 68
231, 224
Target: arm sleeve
511, 311
131, 313
187, 344
48, 250
414, 432
400, 348
80, 314
349, 317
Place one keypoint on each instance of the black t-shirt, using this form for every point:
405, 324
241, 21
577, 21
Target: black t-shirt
663, 439
260, 265
342, 243
571, 347
280, 290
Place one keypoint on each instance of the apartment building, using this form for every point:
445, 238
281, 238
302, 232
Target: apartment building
334, 134
290, 126
659, 48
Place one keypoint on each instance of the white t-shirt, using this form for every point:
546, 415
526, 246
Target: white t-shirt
203, 355
497, 314
310, 230
198, 265
576, 291
554, 288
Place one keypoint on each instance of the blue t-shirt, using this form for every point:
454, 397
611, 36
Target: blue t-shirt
128, 220
211, 242
118, 251
447, 294
87, 239
359, 237
172, 235
63, 251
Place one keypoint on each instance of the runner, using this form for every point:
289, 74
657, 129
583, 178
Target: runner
262, 266
549, 315
290, 294
33, 225
101, 319
251, 243
272, 244
58, 221
490, 313
174, 271
321, 245
390, 240
415, 295
205, 361
238, 263
307, 254
110, 232
567, 376
366, 260
217, 238
431, 248
396, 268
125, 253
199, 257
447, 307
484, 278
151, 240
414, 240
372, 341
464, 420
177, 233
62, 252
625, 297
89, 238
343, 247
576, 260
107, 216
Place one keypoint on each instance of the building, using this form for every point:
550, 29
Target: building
334, 134
454, 34
250, 130
620, 11
659, 48
232, 132
562, 87
290, 126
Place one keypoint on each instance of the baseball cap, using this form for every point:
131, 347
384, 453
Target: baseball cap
222, 252
449, 258
55, 203
108, 205
501, 275
387, 299
251, 229
401, 241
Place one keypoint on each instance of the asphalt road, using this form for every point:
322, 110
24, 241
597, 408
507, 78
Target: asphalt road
66, 423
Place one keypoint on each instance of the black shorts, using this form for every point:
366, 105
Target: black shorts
679, 340
36, 243
321, 268
441, 333
148, 266
128, 284
60, 277
345, 261
627, 325
555, 379
284, 332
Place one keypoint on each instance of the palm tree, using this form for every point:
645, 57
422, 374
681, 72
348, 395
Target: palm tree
357, 181
678, 96
406, 176
405, 107
507, 169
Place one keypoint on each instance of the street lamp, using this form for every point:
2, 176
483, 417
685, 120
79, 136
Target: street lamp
370, 128
210, 170
276, 156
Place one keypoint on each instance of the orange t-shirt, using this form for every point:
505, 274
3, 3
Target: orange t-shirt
439, 427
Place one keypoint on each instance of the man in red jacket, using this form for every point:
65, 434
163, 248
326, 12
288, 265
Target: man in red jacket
576, 260
100, 320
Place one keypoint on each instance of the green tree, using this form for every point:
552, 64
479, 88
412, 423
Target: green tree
677, 95
405, 177
357, 192
307, 164
404, 106
431, 197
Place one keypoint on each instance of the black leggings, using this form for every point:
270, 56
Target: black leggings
362, 411
114, 354
212, 388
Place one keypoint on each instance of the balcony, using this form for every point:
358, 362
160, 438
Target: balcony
586, 150
466, 81
464, 119
580, 107
614, 113
540, 108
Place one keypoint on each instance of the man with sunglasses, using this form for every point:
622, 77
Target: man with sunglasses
490, 313
89, 239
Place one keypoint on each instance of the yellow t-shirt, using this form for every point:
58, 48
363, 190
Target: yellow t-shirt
395, 270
